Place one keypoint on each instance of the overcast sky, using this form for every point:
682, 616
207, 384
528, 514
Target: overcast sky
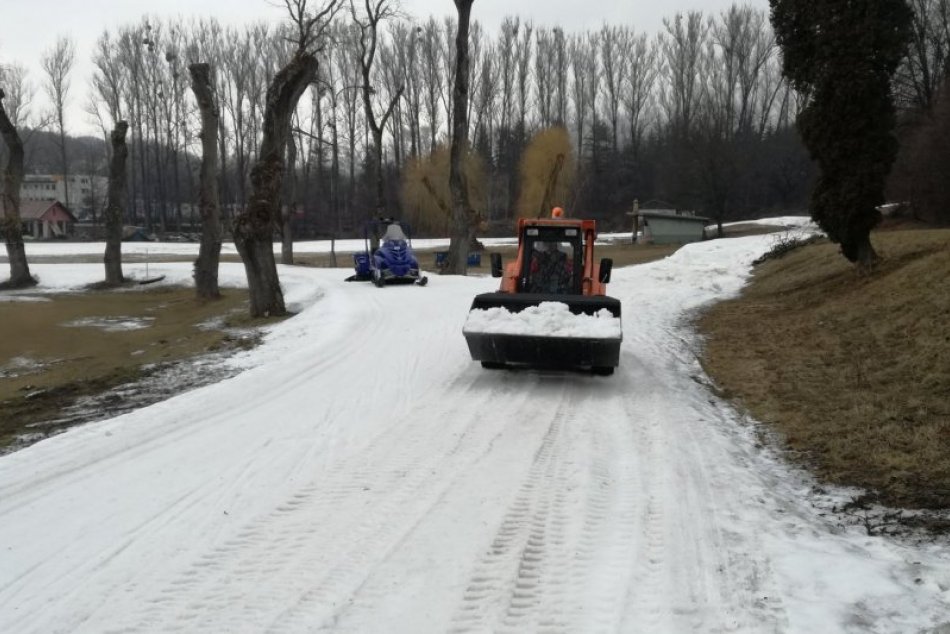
31, 26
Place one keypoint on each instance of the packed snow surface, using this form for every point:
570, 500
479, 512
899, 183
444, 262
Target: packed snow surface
548, 319
363, 474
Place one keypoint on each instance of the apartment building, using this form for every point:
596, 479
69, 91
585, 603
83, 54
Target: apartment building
86, 192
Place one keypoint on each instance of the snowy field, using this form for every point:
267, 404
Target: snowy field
190, 249
364, 475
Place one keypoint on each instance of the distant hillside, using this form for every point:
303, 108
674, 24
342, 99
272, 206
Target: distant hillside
86, 154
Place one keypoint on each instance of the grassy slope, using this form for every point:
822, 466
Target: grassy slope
852, 370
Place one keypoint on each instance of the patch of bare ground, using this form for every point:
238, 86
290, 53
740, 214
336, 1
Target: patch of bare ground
851, 370
73, 358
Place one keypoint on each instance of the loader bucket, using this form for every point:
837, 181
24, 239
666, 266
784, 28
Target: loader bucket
545, 336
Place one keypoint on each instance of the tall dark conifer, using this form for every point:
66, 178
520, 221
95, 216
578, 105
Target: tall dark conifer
842, 54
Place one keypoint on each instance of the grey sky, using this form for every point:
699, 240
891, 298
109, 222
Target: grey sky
30, 27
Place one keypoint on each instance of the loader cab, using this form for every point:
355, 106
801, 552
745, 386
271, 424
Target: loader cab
553, 260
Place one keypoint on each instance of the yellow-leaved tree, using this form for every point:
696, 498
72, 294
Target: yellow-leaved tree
547, 173
425, 190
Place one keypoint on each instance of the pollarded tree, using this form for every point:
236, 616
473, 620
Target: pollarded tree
464, 218
117, 201
10, 225
254, 228
206, 266
843, 55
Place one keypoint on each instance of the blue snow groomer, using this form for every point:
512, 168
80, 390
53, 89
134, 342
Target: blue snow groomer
393, 262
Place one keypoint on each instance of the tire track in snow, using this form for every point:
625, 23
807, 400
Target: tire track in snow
696, 570
560, 556
325, 605
390, 483
508, 575
648, 590
737, 575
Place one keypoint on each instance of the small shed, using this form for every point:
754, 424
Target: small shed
46, 219
666, 225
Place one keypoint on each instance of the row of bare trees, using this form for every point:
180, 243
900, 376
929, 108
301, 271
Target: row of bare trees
383, 97
254, 226
697, 115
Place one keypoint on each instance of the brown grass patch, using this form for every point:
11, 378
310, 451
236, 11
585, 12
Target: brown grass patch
73, 345
853, 370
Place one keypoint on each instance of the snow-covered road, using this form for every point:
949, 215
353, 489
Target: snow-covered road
364, 475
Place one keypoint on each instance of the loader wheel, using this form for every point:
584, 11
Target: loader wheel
603, 370
493, 365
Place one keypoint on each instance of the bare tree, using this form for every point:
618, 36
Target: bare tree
448, 62
254, 228
130, 50
485, 99
19, 93
737, 53
327, 90
407, 40
614, 45
594, 77
10, 223
108, 81
638, 87
206, 266
560, 63
464, 219
116, 204
476, 53
290, 203
392, 76
349, 74
523, 56
927, 63
507, 70
579, 65
58, 63
432, 77
681, 48
544, 78
374, 12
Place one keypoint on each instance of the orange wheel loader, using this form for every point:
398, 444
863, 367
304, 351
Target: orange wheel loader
519, 325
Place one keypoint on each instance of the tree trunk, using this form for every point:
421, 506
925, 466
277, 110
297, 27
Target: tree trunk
63, 158
286, 234
209, 253
254, 227
10, 224
380, 183
463, 217
856, 245
115, 207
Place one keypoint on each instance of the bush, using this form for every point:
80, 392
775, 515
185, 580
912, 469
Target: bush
785, 243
